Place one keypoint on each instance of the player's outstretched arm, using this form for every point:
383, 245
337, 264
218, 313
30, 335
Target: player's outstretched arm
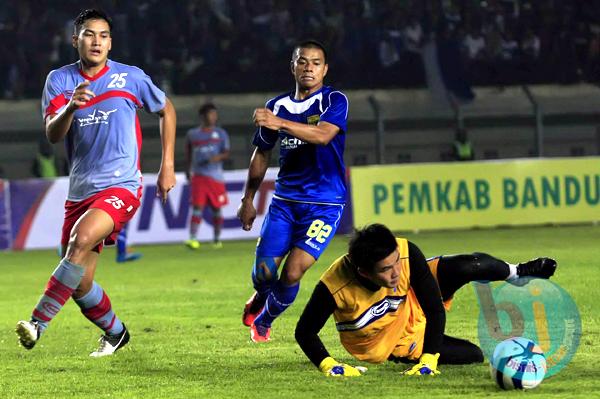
320, 134
57, 125
166, 174
428, 294
318, 309
256, 173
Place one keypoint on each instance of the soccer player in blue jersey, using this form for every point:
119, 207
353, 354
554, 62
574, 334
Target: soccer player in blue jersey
92, 104
207, 146
310, 191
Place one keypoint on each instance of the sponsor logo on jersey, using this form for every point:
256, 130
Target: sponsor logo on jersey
95, 118
380, 309
289, 143
312, 244
375, 312
313, 119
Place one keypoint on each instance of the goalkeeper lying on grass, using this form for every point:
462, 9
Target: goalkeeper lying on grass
388, 303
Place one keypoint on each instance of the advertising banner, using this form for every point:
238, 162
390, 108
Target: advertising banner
33, 212
37, 211
477, 194
5, 227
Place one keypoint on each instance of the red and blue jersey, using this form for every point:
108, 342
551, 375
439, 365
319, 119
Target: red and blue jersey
205, 144
309, 172
104, 141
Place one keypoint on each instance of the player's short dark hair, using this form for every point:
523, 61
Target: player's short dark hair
311, 44
371, 244
205, 108
91, 13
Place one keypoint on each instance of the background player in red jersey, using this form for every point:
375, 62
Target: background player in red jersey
92, 104
207, 146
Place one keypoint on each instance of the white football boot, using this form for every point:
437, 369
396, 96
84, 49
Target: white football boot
109, 344
28, 333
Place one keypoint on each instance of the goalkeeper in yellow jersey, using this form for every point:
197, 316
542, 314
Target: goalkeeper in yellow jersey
389, 303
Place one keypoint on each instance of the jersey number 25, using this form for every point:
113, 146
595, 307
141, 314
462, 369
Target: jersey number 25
118, 80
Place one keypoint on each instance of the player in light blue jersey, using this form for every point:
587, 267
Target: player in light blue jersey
93, 105
207, 146
310, 191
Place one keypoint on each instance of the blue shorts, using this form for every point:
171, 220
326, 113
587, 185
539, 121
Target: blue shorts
289, 224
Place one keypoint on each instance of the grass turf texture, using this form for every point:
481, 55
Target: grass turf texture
183, 309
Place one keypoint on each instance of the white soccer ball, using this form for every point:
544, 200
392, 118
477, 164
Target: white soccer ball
518, 363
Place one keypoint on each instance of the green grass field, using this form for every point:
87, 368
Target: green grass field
183, 309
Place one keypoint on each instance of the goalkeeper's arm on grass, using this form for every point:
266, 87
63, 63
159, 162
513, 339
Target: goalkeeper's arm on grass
319, 308
428, 294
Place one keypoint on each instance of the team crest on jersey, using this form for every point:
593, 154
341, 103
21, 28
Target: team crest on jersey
95, 118
289, 143
378, 310
313, 119
214, 135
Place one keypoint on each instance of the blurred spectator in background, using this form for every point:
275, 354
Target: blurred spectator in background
474, 47
44, 163
214, 45
452, 65
463, 149
593, 62
530, 61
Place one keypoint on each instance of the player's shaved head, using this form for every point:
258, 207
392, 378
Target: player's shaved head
88, 14
310, 44
371, 244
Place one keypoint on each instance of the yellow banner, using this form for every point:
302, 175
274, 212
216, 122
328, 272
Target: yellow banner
472, 194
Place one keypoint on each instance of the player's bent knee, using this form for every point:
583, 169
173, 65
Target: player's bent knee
294, 271
291, 277
81, 242
264, 271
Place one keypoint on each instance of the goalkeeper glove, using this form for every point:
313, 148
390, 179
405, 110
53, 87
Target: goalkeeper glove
427, 365
332, 368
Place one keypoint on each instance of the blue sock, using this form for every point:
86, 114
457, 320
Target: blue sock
122, 243
262, 294
280, 298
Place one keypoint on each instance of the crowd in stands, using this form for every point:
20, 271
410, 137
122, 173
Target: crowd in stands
199, 46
